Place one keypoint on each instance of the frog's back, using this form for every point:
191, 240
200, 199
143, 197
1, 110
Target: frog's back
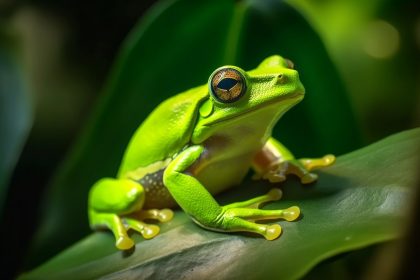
162, 135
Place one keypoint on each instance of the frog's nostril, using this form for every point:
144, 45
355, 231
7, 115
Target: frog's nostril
281, 78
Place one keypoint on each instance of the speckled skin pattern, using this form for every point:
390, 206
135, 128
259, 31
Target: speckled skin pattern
157, 195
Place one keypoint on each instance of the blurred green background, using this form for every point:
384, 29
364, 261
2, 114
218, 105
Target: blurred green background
56, 56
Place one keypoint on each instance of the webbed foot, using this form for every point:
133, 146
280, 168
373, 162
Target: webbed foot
163, 215
301, 168
119, 225
241, 216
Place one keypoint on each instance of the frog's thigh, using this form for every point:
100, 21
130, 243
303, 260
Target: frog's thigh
117, 196
271, 153
110, 198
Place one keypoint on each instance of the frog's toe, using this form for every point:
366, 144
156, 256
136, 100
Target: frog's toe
274, 194
146, 230
124, 243
150, 231
274, 177
165, 215
328, 159
272, 231
308, 178
315, 163
291, 213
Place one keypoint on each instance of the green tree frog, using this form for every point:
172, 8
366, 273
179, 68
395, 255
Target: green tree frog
199, 143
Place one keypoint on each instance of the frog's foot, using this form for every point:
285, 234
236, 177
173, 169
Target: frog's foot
278, 172
146, 230
240, 216
164, 215
315, 163
124, 243
134, 221
301, 168
114, 223
119, 225
274, 175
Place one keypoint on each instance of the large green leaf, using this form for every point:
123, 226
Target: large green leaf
175, 47
360, 200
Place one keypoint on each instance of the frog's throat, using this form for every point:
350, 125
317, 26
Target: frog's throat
140, 172
297, 96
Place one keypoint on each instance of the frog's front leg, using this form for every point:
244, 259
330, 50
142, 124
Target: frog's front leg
274, 162
196, 201
116, 204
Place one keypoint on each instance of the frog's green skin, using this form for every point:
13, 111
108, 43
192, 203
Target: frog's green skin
194, 146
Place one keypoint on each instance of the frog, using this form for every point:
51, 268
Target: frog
200, 143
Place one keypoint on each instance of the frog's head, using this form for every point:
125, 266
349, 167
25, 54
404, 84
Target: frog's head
263, 94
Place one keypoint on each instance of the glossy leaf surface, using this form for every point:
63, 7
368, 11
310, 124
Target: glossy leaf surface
361, 200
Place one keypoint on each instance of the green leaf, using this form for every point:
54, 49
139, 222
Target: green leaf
15, 117
174, 48
360, 200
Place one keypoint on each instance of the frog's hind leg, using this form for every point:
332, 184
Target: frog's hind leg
274, 162
110, 201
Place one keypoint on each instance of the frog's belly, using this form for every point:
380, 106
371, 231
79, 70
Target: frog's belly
215, 177
157, 195
219, 176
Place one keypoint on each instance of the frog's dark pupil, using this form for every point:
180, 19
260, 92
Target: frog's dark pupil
227, 83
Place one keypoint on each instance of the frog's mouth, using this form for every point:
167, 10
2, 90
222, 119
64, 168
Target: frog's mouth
297, 96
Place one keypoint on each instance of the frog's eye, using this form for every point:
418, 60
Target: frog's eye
227, 85
290, 64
